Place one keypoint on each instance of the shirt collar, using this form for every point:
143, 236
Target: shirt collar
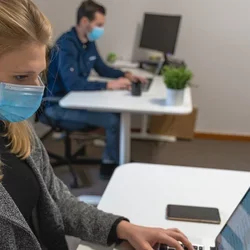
74, 33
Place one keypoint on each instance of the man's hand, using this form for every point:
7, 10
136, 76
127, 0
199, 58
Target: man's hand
144, 238
134, 78
121, 83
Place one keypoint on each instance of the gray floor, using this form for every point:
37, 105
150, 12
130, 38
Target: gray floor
197, 153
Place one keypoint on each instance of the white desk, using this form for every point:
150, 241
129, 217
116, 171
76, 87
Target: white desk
151, 102
147, 189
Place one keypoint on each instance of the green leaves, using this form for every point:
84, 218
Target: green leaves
176, 78
111, 58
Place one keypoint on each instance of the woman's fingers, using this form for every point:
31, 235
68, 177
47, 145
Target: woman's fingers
145, 246
180, 238
167, 239
177, 231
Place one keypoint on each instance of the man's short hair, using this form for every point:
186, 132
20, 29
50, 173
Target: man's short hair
88, 9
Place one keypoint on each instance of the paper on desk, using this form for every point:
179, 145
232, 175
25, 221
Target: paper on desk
125, 64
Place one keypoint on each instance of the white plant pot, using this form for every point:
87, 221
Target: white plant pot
175, 97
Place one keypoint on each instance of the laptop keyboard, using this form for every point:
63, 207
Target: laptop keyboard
165, 247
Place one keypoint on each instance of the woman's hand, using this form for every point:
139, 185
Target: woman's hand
144, 238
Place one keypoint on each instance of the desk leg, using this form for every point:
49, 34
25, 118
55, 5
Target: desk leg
144, 135
125, 138
144, 128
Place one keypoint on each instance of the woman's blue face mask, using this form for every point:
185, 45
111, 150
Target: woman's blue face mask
19, 102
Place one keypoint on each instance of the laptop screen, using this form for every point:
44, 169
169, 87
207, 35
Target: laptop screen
236, 234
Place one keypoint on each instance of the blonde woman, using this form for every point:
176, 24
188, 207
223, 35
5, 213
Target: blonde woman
36, 209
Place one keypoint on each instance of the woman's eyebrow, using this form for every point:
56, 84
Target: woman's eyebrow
28, 72
24, 72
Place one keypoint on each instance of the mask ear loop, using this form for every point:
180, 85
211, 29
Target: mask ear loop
41, 82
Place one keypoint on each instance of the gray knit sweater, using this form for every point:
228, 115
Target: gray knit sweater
58, 213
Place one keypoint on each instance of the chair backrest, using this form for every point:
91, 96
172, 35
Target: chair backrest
36, 117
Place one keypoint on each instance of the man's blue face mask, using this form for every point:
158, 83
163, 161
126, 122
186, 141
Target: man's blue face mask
95, 34
19, 102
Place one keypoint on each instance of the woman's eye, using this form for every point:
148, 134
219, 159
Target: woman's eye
21, 78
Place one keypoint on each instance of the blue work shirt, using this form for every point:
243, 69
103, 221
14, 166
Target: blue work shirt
71, 62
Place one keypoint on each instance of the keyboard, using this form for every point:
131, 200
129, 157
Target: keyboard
165, 247
146, 86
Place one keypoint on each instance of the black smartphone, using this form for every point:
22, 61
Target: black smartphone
193, 214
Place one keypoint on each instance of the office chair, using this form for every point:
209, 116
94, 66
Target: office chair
69, 158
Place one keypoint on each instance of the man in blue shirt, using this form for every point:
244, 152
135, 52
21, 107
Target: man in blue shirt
71, 62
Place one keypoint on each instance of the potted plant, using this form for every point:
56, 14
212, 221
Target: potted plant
176, 80
111, 58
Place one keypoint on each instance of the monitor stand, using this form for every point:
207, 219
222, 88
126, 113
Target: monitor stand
171, 61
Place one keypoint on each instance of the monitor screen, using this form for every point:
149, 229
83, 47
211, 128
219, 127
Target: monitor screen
160, 32
236, 233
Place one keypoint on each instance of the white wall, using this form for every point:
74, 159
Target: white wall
214, 40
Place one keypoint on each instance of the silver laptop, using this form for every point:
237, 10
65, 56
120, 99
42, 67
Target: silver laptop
146, 87
235, 235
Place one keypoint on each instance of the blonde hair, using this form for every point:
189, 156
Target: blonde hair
21, 22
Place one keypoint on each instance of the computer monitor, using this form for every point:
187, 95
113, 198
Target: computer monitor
160, 33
